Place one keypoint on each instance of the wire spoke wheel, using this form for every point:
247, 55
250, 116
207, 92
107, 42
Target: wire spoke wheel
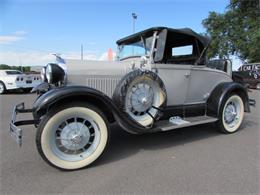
72, 137
141, 98
140, 95
232, 114
76, 138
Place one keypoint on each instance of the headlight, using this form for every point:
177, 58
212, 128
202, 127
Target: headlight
55, 74
48, 73
43, 74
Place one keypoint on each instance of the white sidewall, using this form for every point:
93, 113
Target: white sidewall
52, 122
147, 120
241, 114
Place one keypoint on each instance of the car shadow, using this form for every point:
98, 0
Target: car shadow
16, 92
123, 145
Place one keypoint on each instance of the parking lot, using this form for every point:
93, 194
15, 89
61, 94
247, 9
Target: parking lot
192, 160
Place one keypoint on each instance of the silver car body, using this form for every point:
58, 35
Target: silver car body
185, 84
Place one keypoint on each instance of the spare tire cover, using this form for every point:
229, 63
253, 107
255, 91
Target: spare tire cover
140, 95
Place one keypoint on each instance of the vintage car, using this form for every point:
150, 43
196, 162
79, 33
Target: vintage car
248, 74
159, 82
14, 79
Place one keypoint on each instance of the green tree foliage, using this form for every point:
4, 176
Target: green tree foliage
21, 68
235, 32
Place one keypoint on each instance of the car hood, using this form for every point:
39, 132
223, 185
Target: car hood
90, 67
101, 75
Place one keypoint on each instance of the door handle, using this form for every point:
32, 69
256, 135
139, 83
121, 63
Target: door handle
187, 74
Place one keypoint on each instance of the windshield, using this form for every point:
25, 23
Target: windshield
12, 72
135, 49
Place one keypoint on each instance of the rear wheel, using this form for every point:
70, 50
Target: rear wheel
2, 88
72, 137
232, 114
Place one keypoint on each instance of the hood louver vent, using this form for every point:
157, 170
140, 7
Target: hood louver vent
104, 83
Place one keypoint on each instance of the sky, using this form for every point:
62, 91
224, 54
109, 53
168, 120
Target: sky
30, 30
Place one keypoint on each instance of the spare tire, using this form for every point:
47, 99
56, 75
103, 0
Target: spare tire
141, 95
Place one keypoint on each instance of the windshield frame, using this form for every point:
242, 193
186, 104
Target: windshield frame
13, 72
143, 41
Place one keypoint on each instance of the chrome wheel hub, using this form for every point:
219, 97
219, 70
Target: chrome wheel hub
230, 113
76, 139
141, 98
76, 136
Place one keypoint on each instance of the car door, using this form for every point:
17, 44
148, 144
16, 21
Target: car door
176, 80
202, 81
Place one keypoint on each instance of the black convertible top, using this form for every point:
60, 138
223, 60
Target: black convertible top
148, 32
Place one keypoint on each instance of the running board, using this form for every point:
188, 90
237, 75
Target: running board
176, 122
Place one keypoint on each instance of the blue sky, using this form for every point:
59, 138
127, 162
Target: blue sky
42, 27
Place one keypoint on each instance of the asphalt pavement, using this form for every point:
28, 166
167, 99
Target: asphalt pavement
196, 160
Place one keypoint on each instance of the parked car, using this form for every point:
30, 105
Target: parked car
14, 79
248, 74
160, 82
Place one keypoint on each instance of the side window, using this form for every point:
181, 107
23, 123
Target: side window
182, 51
182, 55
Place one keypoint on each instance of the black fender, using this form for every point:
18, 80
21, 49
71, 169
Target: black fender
66, 94
219, 94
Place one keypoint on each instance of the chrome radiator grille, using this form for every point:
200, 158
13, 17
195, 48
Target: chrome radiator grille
104, 83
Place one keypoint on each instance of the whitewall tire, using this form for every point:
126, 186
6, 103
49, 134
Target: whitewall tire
232, 114
73, 137
141, 95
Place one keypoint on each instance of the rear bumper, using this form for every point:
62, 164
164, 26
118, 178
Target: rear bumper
13, 86
16, 132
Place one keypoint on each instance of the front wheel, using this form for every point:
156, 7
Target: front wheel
72, 137
232, 114
2, 88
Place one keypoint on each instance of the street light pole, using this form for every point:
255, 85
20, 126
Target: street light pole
134, 18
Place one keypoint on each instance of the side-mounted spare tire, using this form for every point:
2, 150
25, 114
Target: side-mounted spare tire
141, 95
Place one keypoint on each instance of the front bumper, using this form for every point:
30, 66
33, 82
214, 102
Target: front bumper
15, 131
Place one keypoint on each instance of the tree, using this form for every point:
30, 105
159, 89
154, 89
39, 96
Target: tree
235, 32
21, 68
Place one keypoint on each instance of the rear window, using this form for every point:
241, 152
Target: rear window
11, 72
182, 50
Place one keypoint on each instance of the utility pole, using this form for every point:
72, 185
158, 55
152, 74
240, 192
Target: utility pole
81, 52
134, 19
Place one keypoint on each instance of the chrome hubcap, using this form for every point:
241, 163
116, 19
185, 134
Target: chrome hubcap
76, 138
230, 113
141, 98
